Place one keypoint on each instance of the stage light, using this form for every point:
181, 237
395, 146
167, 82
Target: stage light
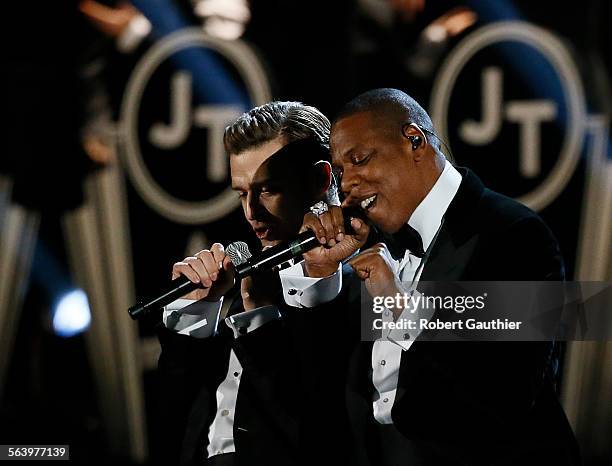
71, 315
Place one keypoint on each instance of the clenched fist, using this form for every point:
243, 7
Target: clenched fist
375, 267
212, 269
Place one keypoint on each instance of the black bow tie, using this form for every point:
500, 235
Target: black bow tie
406, 238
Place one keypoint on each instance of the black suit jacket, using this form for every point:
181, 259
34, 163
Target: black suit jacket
191, 370
290, 406
475, 403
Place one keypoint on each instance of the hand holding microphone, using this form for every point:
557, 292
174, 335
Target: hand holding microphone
211, 270
336, 241
207, 275
324, 242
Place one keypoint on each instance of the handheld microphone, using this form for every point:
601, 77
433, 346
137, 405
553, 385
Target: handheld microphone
287, 250
276, 255
244, 265
238, 253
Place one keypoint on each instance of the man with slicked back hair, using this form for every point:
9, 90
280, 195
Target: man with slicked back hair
255, 388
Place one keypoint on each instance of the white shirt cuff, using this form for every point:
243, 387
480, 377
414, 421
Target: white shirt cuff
402, 335
130, 38
249, 321
302, 291
198, 319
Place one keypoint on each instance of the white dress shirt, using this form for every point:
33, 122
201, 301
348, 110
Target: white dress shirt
199, 319
387, 351
300, 290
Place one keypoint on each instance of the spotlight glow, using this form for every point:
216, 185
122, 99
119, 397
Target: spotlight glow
71, 314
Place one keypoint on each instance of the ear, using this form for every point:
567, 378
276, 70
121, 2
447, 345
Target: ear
324, 177
416, 139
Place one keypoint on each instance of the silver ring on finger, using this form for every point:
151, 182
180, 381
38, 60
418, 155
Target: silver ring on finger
319, 208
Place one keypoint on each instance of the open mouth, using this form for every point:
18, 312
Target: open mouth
263, 232
368, 203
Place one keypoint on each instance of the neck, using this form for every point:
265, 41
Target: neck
432, 174
439, 162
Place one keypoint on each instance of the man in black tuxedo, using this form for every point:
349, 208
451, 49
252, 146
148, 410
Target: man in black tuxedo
255, 388
430, 402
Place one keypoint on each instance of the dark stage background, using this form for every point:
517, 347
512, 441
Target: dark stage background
113, 170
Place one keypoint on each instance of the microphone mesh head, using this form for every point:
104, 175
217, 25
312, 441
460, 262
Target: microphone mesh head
238, 252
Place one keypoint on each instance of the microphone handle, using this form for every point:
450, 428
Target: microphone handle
278, 254
178, 287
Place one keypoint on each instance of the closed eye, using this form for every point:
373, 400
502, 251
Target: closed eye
361, 159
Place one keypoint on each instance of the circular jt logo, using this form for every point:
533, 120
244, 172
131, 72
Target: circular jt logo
178, 100
509, 99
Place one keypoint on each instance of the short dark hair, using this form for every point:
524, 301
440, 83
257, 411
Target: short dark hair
393, 104
291, 120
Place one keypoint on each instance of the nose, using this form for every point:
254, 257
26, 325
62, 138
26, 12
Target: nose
251, 206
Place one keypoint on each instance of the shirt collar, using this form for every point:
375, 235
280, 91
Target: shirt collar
427, 217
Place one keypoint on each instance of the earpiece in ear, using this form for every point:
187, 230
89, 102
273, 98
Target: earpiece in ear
416, 141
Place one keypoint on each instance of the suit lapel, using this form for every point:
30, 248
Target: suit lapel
457, 238
451, 253
448, 260
197, 426
204, 406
